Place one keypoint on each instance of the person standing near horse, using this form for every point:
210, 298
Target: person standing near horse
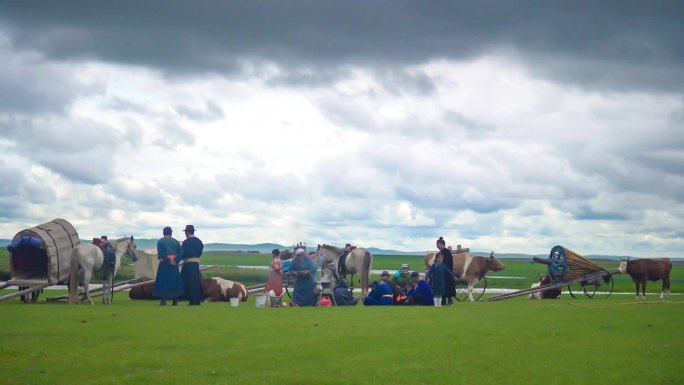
449, 282
275, 276
191, 275
168, 282
436, 276
304, 269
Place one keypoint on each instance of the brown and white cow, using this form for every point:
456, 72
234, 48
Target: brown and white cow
644, 270
545, 294
215, 289
475, 268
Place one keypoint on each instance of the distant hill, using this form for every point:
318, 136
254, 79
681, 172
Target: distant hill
266, 248
259, 247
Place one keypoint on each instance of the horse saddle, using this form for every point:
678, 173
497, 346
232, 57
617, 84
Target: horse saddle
341, 266
109, 261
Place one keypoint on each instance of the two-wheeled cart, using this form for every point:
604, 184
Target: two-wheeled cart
584, 278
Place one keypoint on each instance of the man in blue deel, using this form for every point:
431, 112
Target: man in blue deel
168, 283
191, 275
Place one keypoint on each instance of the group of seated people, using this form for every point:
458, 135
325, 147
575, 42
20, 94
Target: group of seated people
403, 288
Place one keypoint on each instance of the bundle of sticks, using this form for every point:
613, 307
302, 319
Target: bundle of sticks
568, 263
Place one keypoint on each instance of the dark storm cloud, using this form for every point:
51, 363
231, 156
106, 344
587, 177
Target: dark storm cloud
608, 45
30, 83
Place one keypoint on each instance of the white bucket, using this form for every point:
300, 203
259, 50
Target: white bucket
260, 300
234, 302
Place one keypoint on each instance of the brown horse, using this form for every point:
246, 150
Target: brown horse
644, 270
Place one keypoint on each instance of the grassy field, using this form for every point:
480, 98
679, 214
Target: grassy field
566, 341
614, 341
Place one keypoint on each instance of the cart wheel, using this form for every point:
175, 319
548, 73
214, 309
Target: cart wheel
600, 288
478, 290
576, 290
30, 297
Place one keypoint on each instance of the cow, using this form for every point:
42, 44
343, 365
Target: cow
215, 289
545, 294
219, 289
475, 268
644, 270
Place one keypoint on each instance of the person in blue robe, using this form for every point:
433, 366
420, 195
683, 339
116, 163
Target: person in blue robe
304, 269
381, 294
436, 279
168, 284
191, 275
449, 280
343, 297
421, 294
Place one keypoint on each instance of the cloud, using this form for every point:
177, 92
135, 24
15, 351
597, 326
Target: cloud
19, 190
27, 82
209, 112
598, 46
512, 128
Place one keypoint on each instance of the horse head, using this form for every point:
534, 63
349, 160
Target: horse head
326, 253
125, 247
131, 251
622, 268
495, 264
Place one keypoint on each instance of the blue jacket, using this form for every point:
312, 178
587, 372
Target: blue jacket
381, 295
437, 273
422, 294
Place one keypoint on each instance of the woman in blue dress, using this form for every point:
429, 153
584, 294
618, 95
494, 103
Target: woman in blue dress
304, 269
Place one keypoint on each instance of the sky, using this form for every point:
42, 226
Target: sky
511, 126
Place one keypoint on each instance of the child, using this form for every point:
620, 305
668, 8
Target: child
437, 273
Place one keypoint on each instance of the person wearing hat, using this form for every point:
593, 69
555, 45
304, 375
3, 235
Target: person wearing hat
341, 267
421, 294
384, 277
304, 270
191, 275
402, 276
168, 284
380, 294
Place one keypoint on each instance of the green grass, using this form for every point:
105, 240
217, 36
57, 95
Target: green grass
613, 341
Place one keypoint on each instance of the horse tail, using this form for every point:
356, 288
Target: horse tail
365, 272
73, 276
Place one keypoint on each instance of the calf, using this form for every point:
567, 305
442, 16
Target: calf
545, 294
219, 289
644, 270
215, 289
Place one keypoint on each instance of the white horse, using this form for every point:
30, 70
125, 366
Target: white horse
358, 262
88, 258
